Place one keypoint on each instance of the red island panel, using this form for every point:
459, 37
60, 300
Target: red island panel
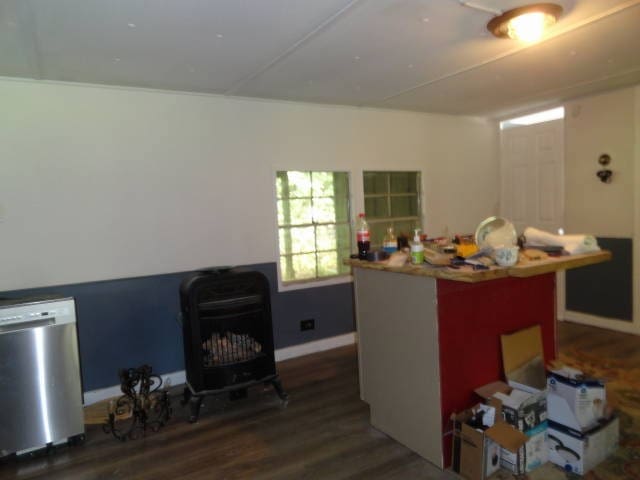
471, 318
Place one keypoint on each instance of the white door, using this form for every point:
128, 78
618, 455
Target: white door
532, 176
532, 182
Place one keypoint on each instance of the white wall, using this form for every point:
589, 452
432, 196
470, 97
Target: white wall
99, 183
596, 125
605, 123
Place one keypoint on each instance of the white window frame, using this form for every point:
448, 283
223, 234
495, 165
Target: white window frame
312, 282
388, 195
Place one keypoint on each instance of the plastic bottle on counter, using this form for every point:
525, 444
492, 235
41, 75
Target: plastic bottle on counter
417, 249
363, 237
390, 242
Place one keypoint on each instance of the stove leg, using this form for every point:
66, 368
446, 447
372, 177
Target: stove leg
194, 405
238, 394
277, 385
186, 395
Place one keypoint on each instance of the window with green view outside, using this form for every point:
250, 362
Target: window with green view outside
313, 224
392, 199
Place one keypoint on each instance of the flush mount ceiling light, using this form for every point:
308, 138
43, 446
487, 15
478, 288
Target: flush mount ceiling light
525, 23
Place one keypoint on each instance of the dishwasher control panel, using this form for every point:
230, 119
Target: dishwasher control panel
62, 311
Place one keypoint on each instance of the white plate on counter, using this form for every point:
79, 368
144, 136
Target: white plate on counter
496, 232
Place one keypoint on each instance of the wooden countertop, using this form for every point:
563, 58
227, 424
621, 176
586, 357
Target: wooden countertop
467, 274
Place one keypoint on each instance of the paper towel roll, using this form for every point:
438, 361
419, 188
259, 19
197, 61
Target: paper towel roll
573, 244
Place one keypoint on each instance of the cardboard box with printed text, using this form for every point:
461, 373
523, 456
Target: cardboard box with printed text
476, 453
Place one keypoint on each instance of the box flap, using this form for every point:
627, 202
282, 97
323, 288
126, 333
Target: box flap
506, 436
516, 399
471, 453
523, 358
490, 389
464, 415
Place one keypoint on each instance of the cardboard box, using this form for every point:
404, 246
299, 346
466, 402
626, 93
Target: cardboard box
533, 454
523, 363
575, 401
479, 454
579, 452
526, 405
524, 410
523, 359
476, 453
527, 412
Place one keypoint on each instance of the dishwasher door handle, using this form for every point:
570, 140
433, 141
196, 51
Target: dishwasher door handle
16, 327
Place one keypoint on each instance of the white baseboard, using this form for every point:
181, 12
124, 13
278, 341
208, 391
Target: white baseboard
317, 346
177, 378
602, 322
95, 396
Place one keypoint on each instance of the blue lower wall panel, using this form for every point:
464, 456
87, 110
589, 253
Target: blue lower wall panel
128, 322
604, 289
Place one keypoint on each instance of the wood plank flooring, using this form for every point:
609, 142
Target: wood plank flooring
607, 344
323, 433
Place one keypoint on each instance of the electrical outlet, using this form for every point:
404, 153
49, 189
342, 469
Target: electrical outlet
308, 324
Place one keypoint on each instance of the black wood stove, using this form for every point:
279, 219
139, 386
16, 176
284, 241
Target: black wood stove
228, 335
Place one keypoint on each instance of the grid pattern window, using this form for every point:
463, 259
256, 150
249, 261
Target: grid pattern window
314, 230
392, 199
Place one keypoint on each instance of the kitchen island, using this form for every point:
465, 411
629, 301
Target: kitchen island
428, 336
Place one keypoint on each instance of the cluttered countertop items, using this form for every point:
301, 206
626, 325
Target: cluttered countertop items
494, 251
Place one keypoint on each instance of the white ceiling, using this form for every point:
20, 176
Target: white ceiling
423, 55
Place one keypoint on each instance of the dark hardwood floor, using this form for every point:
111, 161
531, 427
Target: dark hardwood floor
323, 433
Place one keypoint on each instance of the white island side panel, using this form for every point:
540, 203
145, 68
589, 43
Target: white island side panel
398, 357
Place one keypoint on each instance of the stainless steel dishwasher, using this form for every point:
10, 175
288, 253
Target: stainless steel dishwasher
41, 399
